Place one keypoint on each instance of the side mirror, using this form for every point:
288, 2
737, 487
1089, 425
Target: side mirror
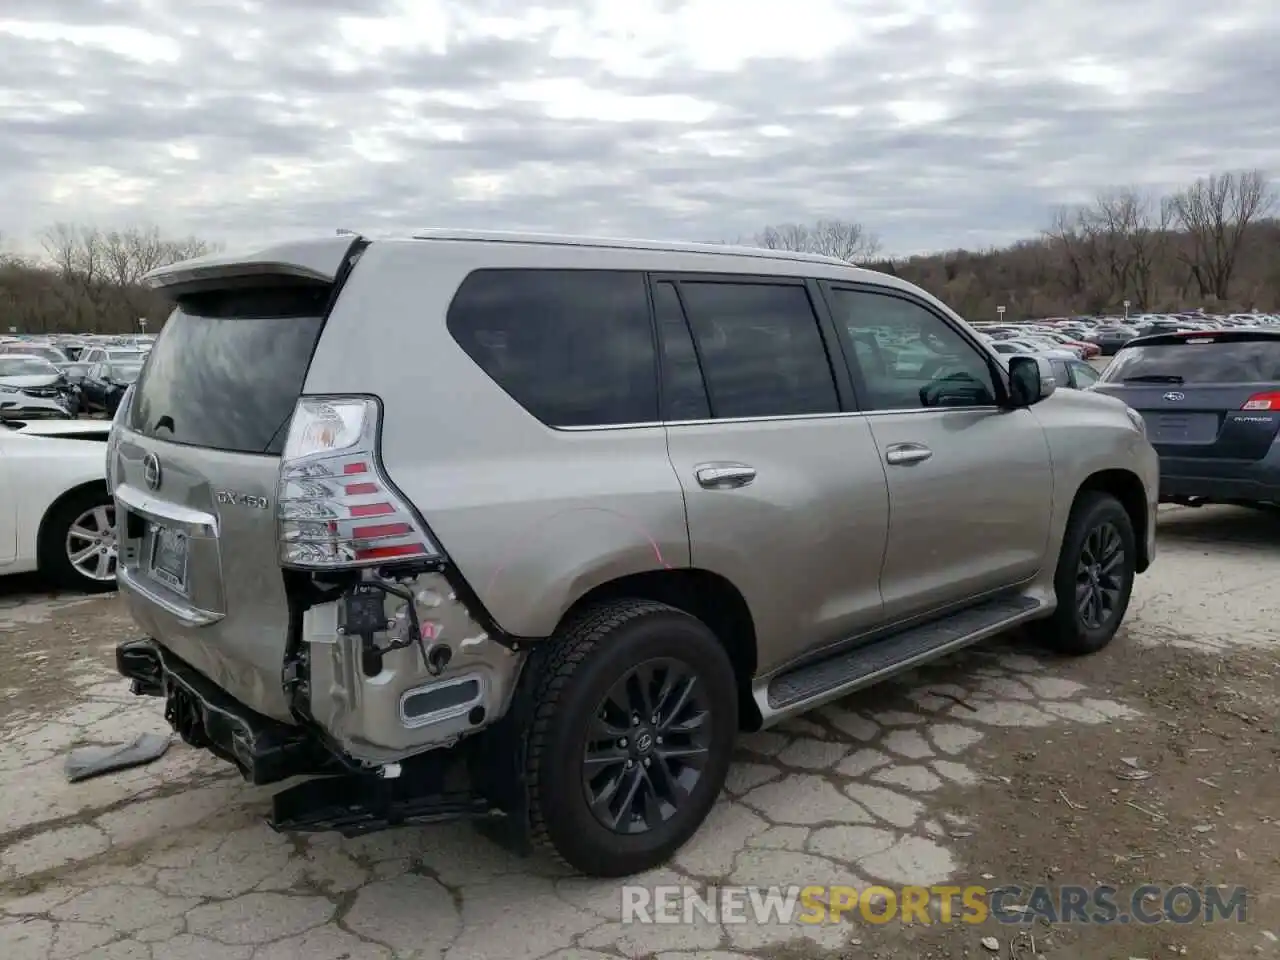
1030, 380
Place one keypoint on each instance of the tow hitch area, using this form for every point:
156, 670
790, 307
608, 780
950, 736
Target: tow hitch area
264, 750
474, 780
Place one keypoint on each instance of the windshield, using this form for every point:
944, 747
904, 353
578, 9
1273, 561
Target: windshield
126, 355
46, 353
124, 372
1198, 360
13, 366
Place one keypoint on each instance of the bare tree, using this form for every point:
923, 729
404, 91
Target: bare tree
9, 257
90, 278
1216, 213
787, 236
1150, 241
1064, 238
1095, 271
78, 253
1109, 249
842, 239
1131, 229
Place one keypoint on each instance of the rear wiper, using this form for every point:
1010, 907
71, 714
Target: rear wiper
1154, 378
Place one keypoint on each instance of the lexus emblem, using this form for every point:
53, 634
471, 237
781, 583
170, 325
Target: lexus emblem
151, 471
1175, 395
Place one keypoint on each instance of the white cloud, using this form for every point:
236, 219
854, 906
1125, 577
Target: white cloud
935, 122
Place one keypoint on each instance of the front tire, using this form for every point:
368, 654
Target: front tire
77, 549
1095, 575
635, 715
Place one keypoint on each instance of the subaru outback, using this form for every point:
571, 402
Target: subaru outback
526, 529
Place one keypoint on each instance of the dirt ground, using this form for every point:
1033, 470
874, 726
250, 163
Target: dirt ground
1154, 762
1208, 814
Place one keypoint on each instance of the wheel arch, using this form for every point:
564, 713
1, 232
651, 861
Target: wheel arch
1126, 487
711, 598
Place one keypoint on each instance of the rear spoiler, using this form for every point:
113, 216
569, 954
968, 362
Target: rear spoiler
1238, 335
317, 261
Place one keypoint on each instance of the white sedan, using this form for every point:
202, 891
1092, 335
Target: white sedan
55, 514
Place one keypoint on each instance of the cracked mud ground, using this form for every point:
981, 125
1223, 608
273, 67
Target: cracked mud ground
1000, 766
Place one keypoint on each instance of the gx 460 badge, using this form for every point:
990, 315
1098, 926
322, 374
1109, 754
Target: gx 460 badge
232, 499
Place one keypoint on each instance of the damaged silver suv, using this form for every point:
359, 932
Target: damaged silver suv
526, 529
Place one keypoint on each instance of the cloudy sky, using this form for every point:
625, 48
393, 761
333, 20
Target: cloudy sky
937, 123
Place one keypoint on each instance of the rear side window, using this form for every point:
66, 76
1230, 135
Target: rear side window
573, 347
761, 350
1209, 361
227, 368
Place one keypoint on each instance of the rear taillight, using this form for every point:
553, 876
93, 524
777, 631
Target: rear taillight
1267, 400
335, 507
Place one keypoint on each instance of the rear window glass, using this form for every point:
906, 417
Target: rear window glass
1218, 361
573, 347
228, 367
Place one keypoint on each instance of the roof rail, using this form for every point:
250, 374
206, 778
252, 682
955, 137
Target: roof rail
622, 243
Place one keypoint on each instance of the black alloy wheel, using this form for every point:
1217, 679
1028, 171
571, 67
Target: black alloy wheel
647, 747
1094, 578
1100, 576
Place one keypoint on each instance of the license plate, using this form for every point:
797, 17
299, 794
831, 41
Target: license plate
1183, 427
169, 558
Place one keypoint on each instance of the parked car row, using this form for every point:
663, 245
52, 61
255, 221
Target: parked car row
62, 377
1106, 335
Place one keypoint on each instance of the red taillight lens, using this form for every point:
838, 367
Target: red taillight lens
332, 486
1267, 400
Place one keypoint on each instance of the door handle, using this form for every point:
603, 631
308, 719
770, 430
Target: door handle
724, 476
905, 454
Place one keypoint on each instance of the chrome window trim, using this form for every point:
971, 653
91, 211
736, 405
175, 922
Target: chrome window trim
707, 421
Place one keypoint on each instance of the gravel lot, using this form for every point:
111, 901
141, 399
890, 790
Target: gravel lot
999, 766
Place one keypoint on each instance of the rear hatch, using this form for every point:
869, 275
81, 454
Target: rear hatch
1210, 400
195, 459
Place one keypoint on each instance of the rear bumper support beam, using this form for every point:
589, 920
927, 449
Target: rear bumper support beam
471, 781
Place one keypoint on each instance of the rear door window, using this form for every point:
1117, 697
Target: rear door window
575, 348
761, 349
1206, 359
684, 394
227, 368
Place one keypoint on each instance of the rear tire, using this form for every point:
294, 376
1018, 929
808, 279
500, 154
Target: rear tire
75, 528
1096, 570
589, 748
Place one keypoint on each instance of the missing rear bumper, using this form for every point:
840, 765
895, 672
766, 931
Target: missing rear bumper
205, 716
478, 780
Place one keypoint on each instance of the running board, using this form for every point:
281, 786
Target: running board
824, 680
